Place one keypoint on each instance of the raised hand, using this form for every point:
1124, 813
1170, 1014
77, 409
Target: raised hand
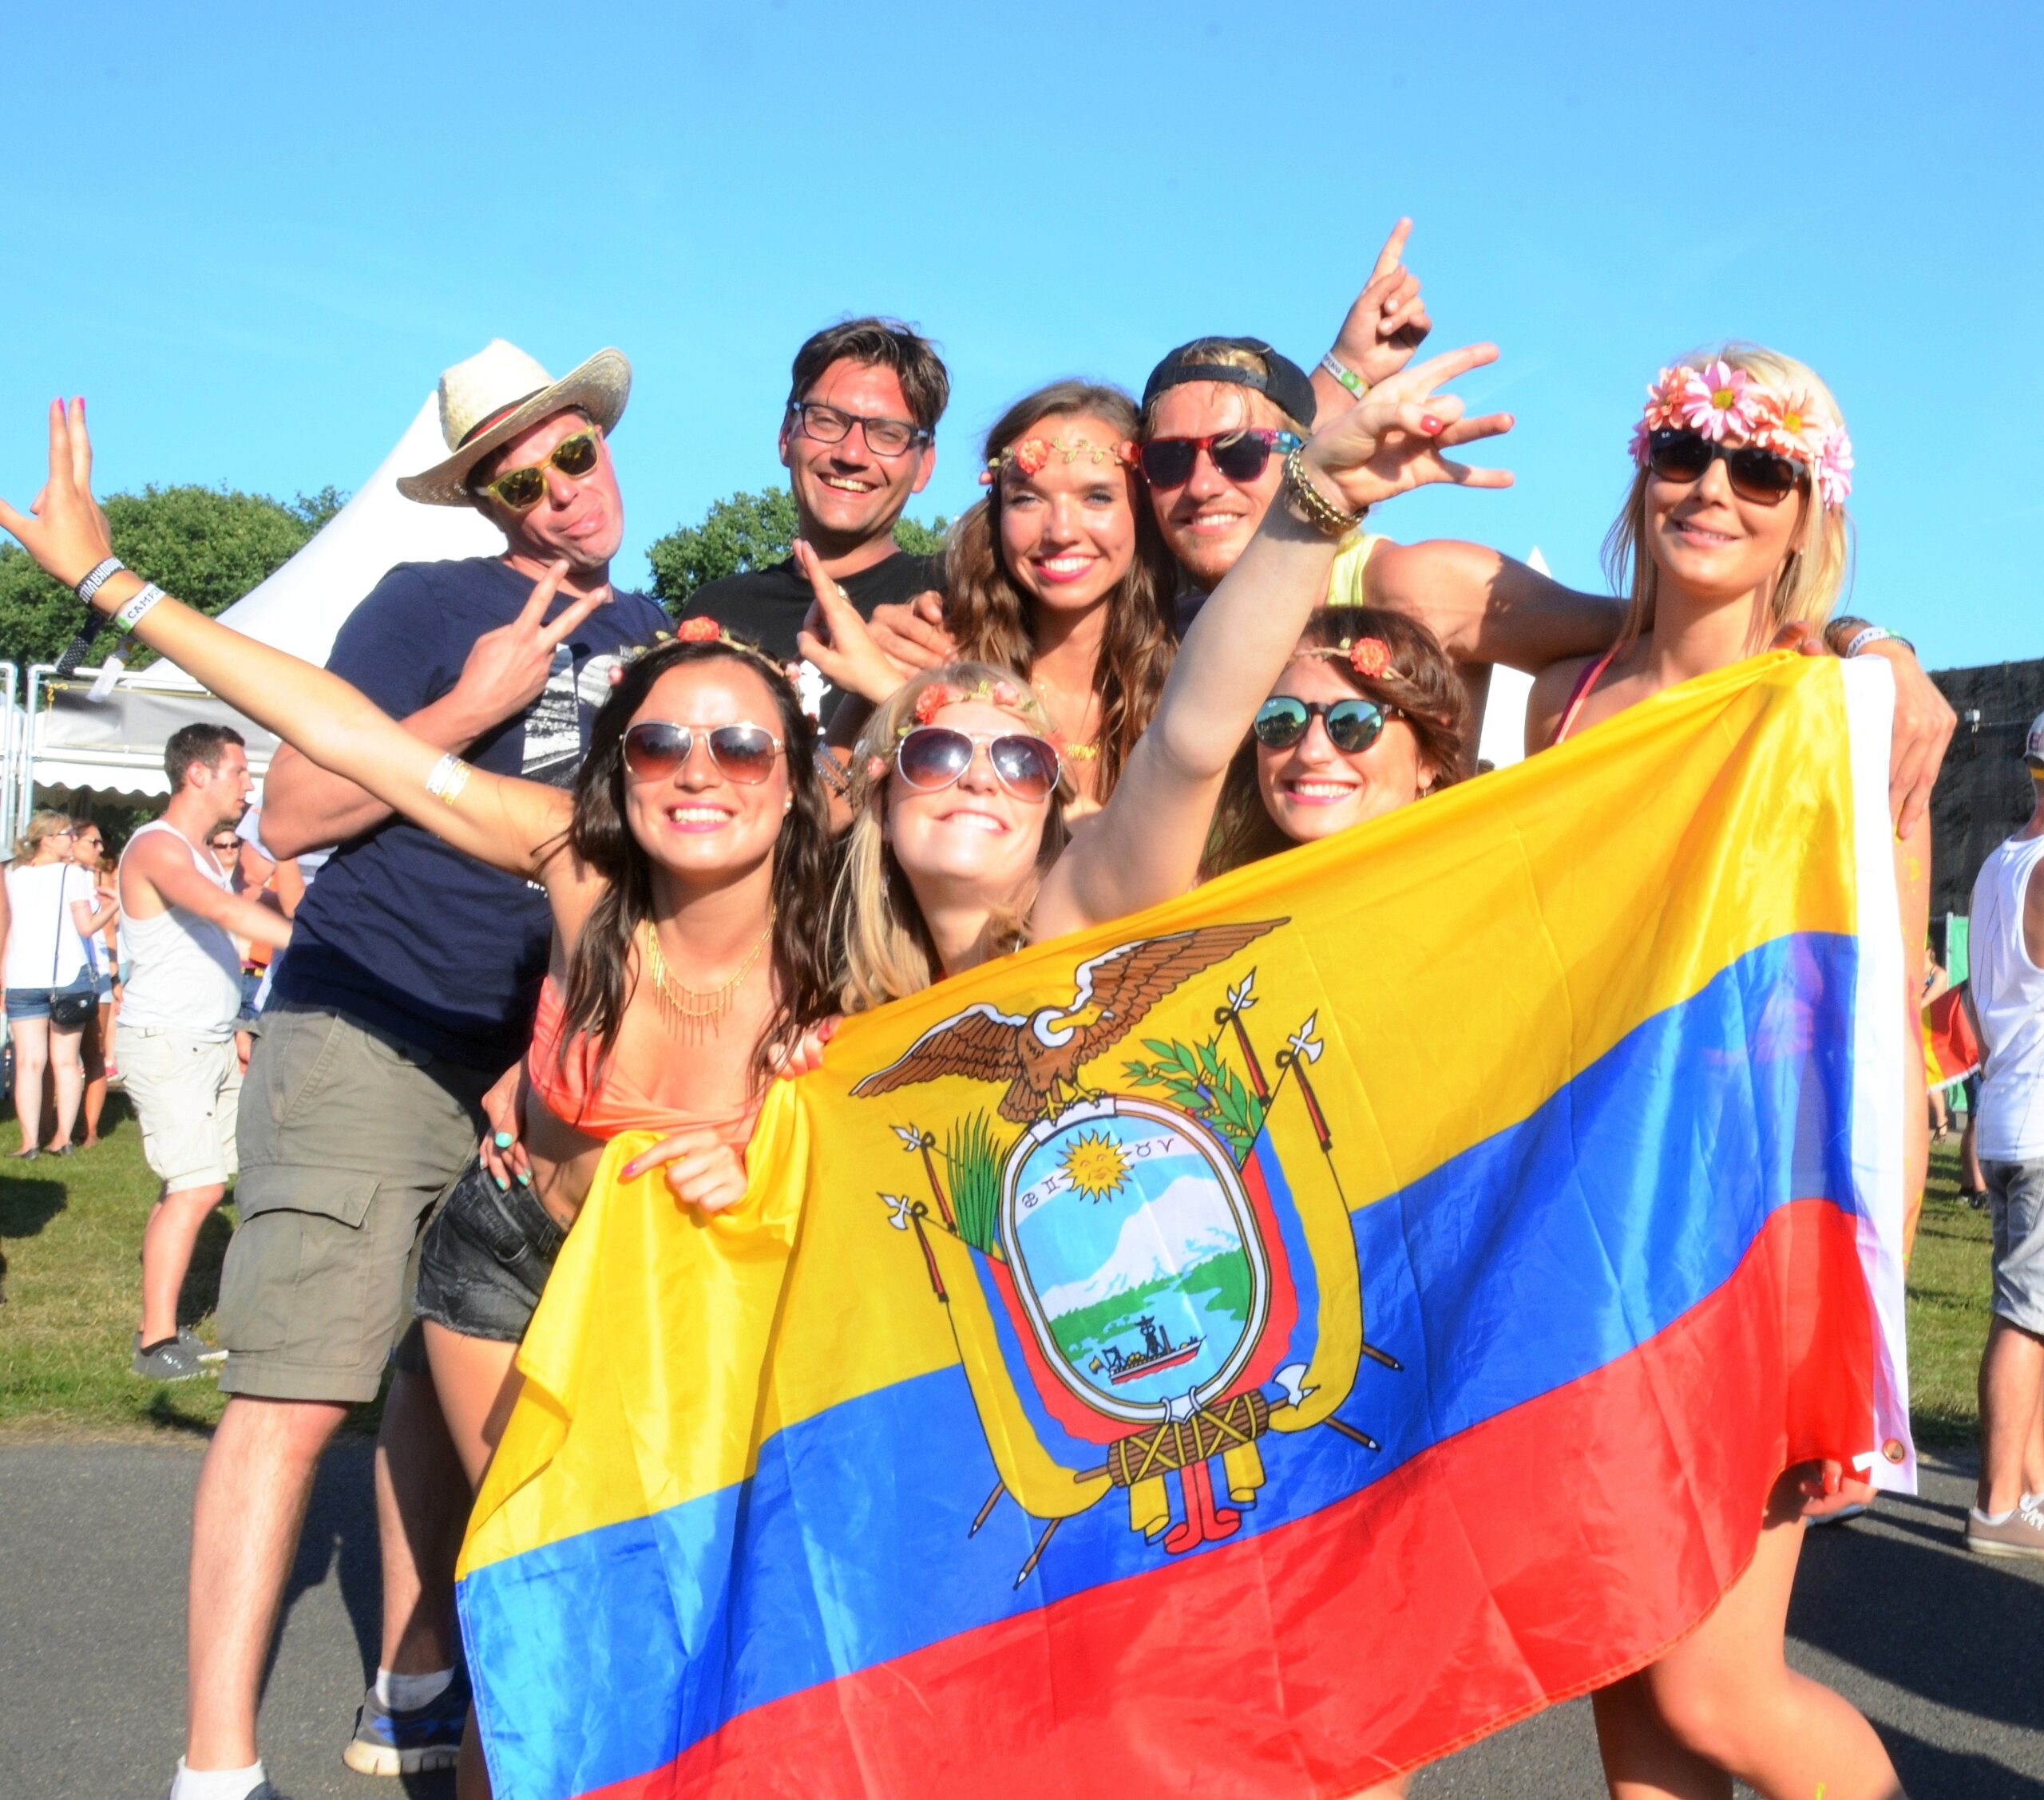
506, 668
1391, 440
1389, 321
835, 638
911, 634
64, 528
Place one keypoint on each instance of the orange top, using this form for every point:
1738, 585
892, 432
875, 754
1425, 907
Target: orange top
602, 1102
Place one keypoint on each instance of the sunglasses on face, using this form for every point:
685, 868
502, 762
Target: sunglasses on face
933, 757
1351, 725
654, 750
826, 425
1755, 474
1239, 456
521, 489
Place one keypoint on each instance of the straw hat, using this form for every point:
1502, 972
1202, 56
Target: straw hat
497, 394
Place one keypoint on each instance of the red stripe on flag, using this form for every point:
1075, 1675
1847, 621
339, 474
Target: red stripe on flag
1616, 1508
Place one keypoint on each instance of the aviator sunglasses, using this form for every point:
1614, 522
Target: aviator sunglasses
1240, 456
520, 489
654, 749
933, 757
1351, 725
1675, 455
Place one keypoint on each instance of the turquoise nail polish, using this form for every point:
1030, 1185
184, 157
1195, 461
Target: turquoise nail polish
503, 1186
504, 1139
524, 1177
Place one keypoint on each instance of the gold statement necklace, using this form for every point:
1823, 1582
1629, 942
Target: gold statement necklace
689, 1011
1075, 751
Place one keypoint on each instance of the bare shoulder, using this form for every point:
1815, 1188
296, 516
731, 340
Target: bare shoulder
1548, 699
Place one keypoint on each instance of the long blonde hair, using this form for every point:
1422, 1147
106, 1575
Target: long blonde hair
1816, 569
884, 946
45, 823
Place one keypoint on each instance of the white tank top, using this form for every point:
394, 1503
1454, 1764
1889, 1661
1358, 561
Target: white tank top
2008, 996
187, 974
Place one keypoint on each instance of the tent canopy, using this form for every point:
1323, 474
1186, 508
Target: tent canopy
117, 743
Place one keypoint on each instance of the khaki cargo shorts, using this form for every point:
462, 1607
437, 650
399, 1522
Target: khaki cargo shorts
347, 1137
183, 1090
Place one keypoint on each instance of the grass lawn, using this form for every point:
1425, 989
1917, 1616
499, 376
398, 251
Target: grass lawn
72, 1233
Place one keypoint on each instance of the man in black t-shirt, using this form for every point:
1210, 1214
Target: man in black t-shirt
409, 989
857, 439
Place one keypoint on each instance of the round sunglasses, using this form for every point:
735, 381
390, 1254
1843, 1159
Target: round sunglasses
654, 749
1351, 725
933, 757
1675, 455
520, 489
1239, 456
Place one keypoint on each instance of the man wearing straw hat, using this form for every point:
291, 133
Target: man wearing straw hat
409, 989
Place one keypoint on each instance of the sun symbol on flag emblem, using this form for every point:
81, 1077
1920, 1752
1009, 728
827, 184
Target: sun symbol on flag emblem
1095, 1165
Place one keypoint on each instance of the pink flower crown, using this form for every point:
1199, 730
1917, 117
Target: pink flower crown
1368, 656
1030, 454
698, 628
1722, 403
938, 695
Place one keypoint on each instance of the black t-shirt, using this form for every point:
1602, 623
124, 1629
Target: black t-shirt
401, 931
768, 605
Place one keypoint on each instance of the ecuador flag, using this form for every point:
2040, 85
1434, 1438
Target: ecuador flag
1257, 1345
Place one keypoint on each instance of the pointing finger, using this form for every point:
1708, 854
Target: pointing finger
552, 634
82, 447
541, 596
1450, 363
1463, 476
1467, 431
1393, 252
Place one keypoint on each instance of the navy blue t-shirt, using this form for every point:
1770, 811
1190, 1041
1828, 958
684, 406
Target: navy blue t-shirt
398, 930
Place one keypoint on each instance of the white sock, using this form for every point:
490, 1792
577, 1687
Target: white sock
407, 1693
1994, 1518
216, 1784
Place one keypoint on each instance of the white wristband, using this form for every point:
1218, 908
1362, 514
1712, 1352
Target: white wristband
1343, 374
447, 777
130, 615
1867, 635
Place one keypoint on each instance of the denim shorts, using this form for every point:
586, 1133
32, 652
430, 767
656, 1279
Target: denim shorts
33, 1003
485, 1259
2015, 1200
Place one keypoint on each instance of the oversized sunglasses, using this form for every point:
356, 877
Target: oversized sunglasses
827, 424
654, 750
1351, 724
933, 757
1675, 455
1240, 456
521, 489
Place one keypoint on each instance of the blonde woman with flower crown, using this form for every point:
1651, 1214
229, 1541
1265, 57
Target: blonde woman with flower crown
1735, 533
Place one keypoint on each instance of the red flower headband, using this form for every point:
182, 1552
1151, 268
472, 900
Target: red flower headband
1368, 656
1031, 454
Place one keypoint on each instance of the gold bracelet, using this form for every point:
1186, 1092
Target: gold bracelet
449, 776
1320, 512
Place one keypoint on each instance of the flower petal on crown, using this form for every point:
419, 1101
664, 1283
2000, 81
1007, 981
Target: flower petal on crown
1369, 656
699, 630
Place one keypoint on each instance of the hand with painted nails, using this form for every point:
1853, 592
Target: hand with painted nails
836, 640
806, 1052
700, 1169
503, 1153
1391, 440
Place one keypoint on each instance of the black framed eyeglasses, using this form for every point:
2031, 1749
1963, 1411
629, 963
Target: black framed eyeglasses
828, 424
1351, 725
1239, 456
1676, 455
520, 489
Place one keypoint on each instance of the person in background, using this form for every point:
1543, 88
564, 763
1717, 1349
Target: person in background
182, 999
2005, 955
53, 906
90, 849
858, 438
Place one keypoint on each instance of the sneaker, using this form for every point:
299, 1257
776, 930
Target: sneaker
407, 1743
169, 1361
192, 1342
2020, 1534
262, 1791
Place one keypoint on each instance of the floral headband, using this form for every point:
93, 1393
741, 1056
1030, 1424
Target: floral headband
938, 695
1030, 454
1720, 402
1368, 656
700, 629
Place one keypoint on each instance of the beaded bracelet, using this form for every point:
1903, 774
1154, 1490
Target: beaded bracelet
100, 575
1320, 512
1343, 374
130, 615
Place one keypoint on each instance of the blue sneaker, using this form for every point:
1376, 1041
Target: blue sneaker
387, 1742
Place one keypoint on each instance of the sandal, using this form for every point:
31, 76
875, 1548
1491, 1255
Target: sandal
28, 1155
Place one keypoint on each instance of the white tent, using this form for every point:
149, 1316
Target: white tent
117, 743
1501, 740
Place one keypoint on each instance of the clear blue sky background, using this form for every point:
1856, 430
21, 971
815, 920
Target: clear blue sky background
253, 234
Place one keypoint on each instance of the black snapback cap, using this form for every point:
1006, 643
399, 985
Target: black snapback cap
1287, 386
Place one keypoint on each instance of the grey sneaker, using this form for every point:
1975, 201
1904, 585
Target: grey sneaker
2020, 1534
169, 1361
262, 1791
192, 1342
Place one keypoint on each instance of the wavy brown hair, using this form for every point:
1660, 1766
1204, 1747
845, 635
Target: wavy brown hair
1421, 684
597, 989
993, 619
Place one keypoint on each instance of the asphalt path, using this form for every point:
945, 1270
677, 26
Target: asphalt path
1943, 1651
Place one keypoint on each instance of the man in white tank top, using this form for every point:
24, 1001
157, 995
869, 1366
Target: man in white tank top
2006, 948
175, 1041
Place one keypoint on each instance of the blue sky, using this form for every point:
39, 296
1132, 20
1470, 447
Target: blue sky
253, 234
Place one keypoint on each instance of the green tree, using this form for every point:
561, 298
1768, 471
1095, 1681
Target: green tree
745, 532
208, 546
